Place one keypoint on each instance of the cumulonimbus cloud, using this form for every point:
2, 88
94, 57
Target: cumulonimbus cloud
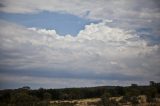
112, 51
96, 52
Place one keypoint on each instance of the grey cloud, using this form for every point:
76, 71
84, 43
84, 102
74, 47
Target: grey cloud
118, 48
37, 82
68, 74
109, 54
2, 5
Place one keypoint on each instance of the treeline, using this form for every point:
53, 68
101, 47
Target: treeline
26, 95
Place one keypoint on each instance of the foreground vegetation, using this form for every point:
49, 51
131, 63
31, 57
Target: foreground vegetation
98, 96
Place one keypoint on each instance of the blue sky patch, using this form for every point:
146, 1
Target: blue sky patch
62, 23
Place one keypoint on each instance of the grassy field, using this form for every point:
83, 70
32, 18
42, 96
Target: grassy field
93, 102
80, 102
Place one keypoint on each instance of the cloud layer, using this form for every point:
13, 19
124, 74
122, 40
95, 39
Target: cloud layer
101, 9
122, 48
126, 14
97, 53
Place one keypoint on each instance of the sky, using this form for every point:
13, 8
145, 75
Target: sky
79, 43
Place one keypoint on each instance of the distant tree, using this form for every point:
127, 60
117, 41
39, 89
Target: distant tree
23, 99
134, 100
133, 92
26, 87
149, 99
120, 91
5, 96
63, 96
113, 103
125, 99
134, 85
151, 92
47, 96
105, 99
152, 83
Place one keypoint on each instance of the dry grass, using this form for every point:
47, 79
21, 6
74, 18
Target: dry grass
97, 102
80, 102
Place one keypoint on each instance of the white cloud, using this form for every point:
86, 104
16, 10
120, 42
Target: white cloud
101, 9
126, 14
98, 49
101, 50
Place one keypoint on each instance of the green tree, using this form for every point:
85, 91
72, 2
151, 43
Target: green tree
47, 96
105, 99
134, 101
23, 99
